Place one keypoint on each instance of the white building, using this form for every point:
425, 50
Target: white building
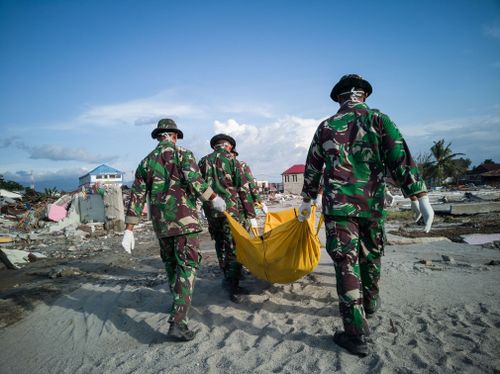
293, 179
102, 174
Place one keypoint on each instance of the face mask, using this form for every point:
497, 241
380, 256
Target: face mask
355, 97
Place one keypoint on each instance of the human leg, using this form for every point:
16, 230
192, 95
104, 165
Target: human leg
371, 249
343, 247
182, 258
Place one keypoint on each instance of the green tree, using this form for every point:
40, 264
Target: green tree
444, 164
10, 185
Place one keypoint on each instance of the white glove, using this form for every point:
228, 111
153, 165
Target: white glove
304, 211
128, 241
416, 210
264, 208
219, 204
319, 202
426, 211
389, 199
253, 222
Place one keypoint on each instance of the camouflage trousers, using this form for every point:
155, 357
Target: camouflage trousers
225, 247
355, 246
181, 257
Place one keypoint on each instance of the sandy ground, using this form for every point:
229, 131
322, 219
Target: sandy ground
109, 315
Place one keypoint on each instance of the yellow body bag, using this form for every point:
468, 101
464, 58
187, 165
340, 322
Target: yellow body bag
286, 251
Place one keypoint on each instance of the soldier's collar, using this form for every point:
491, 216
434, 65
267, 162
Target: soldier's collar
347, 108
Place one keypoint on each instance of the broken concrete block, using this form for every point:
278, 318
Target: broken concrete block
35, 256
16, 256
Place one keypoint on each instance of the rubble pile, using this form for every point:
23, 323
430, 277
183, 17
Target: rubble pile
38, 226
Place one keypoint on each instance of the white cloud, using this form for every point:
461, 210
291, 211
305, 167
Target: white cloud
56, 152
138, 112
271, 149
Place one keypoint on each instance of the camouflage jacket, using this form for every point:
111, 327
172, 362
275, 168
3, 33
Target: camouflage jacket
357, 145
170, 177
227, 179
251, 181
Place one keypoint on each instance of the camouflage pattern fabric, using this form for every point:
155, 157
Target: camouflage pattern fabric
181, 258
254, 190
355, 246
227, 179
225, 247
171, 178
356, 145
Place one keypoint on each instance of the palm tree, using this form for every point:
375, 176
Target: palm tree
444, 163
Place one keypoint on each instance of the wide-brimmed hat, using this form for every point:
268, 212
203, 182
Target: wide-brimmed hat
349, 81
166, 125
219, 137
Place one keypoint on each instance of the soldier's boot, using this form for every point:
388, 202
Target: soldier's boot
354, 344
372, 307
181, 332
234, 290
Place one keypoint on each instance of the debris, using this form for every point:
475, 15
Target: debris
426, 262
448, 259
493, 262
63, 271
35, 256
5, 260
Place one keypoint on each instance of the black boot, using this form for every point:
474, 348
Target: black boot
181, 333
371, 308
234, 291
354, 344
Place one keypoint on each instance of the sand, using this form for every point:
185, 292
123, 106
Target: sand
443, 317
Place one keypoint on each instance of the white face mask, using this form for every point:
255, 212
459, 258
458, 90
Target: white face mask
356, 97
165, 136
224, 145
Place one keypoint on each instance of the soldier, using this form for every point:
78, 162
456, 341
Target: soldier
356, 145
221, 171
254, 190
171, 179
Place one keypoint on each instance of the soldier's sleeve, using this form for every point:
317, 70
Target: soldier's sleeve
398, 159
314, 166
251, 183
244, 192
194, 178
138, 195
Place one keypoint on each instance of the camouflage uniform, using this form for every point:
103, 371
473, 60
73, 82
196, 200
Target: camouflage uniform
252, 186
170, 177
356, 145
227, 179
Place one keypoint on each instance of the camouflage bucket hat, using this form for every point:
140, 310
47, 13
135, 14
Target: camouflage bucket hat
219, 137
166, 125
349, 81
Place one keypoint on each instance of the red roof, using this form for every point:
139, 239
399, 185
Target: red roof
295, 169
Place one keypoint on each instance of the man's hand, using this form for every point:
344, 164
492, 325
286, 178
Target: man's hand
219, 204
427, 212
304, 210
319, 202
416, 210
128, 241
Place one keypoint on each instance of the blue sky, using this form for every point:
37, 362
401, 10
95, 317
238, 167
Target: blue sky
84, 82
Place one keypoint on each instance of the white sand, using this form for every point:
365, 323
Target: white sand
440, 319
